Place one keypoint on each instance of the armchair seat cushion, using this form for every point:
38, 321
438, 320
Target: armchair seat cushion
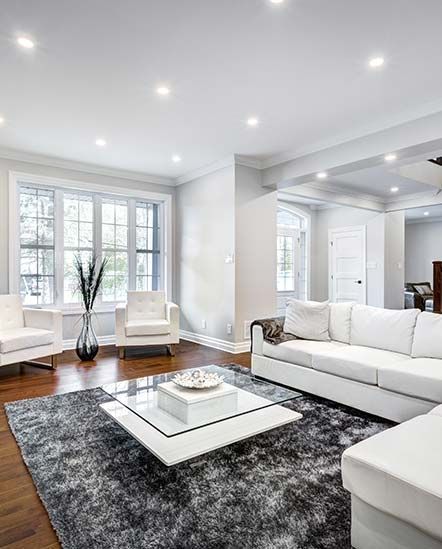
18, 339
147, 327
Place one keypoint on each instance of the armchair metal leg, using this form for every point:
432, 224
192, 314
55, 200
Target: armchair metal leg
171, 350
51, 366
121, 352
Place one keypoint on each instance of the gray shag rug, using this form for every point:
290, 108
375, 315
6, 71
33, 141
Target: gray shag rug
279, 490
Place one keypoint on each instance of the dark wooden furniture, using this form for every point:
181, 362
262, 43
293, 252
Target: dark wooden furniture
437, 286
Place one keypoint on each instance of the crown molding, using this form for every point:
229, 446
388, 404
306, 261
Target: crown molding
56, 162
412, 196
205, 170
338, 189
248, 161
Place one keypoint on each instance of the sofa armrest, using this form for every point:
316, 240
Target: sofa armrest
46, 319
120, 324
173, 316
257, 339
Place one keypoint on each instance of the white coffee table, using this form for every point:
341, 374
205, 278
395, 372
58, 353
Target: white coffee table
135, 407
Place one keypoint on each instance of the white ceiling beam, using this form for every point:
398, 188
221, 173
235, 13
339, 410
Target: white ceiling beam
407, 140
337, 197
421, 200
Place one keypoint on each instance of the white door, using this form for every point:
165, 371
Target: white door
347, 265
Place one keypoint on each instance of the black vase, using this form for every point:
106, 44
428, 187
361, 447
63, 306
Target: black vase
87, 343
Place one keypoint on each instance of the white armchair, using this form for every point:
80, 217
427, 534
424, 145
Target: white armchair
28, 334
147, 319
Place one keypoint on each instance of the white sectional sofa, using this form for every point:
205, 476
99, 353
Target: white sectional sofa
385, 362
395, 483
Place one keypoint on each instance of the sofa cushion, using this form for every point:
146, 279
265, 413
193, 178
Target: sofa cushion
307, 319
150, 305
416, 377
147, 327
428, 336
355, 362
398, 472
24, 338
299, 351
340, 321
383, 328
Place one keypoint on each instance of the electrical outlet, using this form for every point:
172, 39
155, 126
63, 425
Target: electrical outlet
229, 329
203, 324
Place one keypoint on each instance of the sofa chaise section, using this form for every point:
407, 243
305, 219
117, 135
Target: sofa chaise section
396, 486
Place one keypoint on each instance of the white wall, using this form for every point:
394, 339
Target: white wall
394, 260
423, 245
333, 218
205, 235
255, 249
103, 322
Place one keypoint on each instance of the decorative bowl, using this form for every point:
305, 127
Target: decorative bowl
198, 379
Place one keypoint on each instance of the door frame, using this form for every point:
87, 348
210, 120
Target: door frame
363, 230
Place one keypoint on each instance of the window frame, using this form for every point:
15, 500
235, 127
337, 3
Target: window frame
165, 202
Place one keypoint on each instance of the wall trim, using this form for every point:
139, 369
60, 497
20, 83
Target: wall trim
58, 162
214, 343
69, 344
220, 344
205, 170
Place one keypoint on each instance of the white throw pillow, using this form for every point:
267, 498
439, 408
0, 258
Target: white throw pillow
307, 319
385, 329
340, 321
427, 341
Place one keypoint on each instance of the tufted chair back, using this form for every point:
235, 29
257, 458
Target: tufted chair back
146, 305
11, 312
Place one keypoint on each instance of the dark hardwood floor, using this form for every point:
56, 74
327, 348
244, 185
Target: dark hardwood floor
23, 519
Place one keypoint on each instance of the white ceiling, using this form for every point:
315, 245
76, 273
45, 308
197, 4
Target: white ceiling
300, 66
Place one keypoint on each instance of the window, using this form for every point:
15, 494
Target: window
57, 224
292, 257
148, 246
37, 247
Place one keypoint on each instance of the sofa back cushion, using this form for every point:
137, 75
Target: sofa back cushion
340, 321
146, 305
11, 312
427, 341
307, 319
383, 328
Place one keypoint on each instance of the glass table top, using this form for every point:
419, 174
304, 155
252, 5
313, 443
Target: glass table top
173, 410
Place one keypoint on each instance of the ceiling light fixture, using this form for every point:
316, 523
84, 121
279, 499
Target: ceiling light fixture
2, 120
391, 157
176, 158
253, 121
26, 43
163, 90
376, 62
100, 142
276, 1
426, 214
394, 189
322, 175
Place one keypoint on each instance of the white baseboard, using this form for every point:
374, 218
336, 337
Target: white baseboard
221, 344
69, 344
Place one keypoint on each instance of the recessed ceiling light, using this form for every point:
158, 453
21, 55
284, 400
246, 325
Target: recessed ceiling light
394, 189
390, 157
25, 42
376, 62
163, 90
100, 142
176, 158
322, 175
276, 1
253, 121
426, 214
2, 120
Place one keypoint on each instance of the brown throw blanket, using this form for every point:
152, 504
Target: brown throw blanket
273, 330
